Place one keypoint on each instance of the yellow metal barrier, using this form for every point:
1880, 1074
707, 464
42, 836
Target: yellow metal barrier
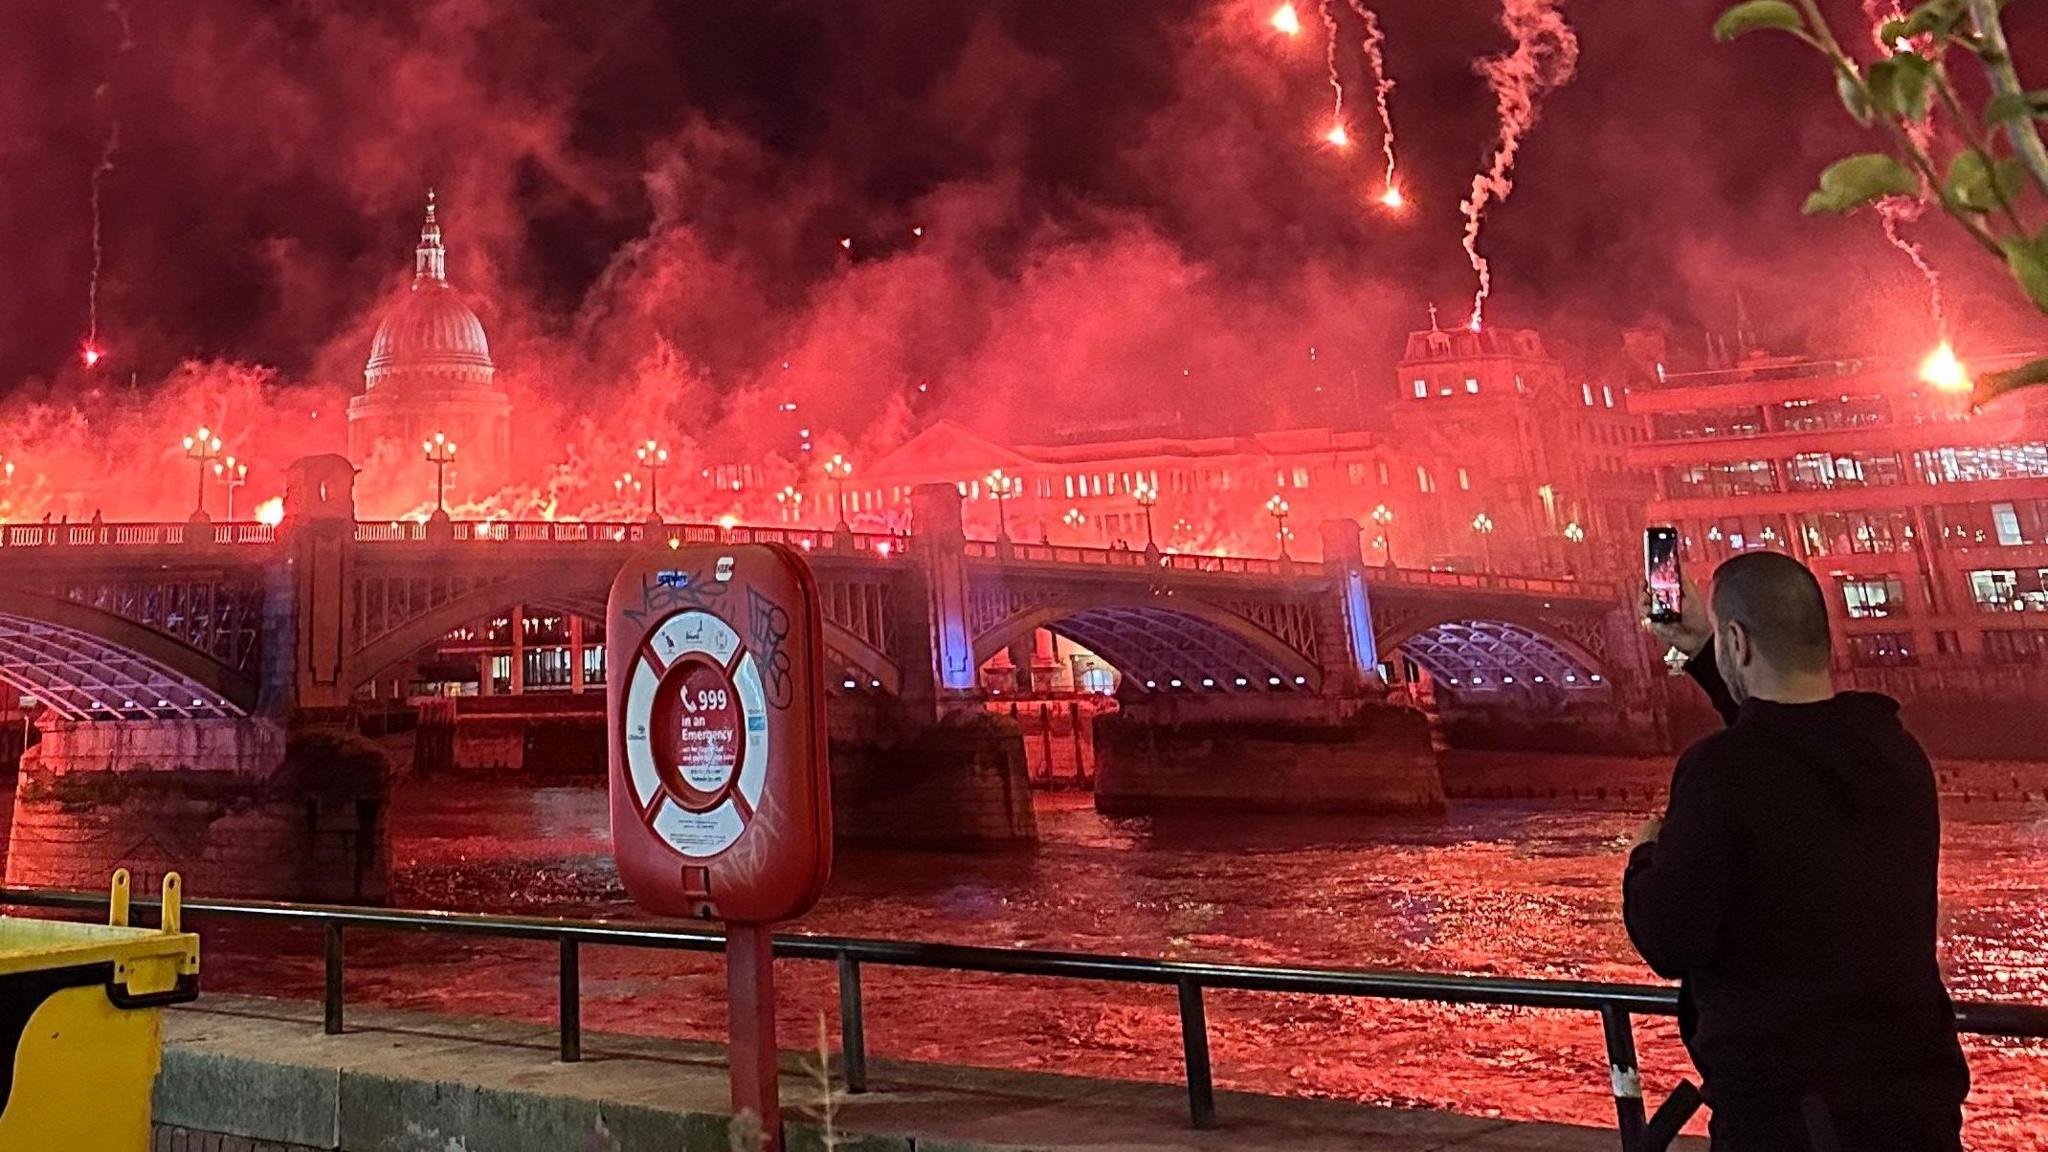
81, 1028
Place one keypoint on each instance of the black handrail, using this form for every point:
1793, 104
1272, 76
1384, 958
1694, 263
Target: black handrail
1616, 1004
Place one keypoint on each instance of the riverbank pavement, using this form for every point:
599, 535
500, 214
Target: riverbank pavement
242, 1074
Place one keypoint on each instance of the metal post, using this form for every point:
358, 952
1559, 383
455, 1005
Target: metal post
853, 1038
1626, 1076
1194, 1039
331, 1023
571, 978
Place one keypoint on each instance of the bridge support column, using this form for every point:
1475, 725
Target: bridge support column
241, 807
1351, 663
939, 546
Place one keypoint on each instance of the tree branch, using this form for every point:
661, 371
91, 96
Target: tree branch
2005, 81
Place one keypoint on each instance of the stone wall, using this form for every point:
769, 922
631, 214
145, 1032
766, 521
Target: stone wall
239, 807
1272, 754
959, 784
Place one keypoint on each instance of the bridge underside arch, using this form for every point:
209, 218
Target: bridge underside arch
1486, 655
1187, 647
98, 673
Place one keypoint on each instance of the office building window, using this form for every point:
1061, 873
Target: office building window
1875, 532
1997, 462
1816, 471
593, 664
1882, 650
2009, 589
1709, 422
1471, 383
1421, 388
2016, 646
1730, 478
1874, 597
2005, 520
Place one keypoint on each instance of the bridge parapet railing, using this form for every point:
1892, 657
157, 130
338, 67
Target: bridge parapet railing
1496, 582
130, 535
1065, 555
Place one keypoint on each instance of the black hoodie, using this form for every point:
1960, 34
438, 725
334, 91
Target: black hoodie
1792, 891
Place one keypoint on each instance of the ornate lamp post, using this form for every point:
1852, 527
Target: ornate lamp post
1146, 494
626, 482
1483, 524
233, 474
791, 503
1277, 509
1383, 517
1074, 518
839, 468
1000, 488
440, 452
654, 458
202, 448
1575, 535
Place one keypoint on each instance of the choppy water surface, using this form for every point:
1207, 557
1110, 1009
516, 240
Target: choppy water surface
1489, 888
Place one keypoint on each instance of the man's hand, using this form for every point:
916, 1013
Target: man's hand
1691, 632
1648, 833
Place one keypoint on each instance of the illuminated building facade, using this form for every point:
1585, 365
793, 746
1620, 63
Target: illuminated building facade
430, 372
1927, 524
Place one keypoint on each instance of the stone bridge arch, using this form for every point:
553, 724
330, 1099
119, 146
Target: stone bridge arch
1156, 639
91, 663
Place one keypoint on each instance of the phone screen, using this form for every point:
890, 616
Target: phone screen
1660, 569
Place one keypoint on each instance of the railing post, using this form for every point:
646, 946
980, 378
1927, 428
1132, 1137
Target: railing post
1625, 1074
331, 1021
853, 1037
570, 972
1194, 1040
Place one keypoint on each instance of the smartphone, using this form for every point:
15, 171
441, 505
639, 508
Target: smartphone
1660, 570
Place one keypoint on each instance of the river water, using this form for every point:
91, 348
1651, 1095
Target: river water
1494, 887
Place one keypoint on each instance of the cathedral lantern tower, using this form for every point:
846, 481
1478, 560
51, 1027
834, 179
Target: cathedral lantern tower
430, 371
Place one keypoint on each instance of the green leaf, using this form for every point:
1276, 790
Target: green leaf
2016, 106
1990, 387
1891, 32
1756, 15
1853, 181
1982, 186
1935, 18
2028, 259
1854, 97
1898, 85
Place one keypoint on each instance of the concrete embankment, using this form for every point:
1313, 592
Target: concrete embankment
251, 1075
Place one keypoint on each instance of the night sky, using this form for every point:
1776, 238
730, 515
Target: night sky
1125, 204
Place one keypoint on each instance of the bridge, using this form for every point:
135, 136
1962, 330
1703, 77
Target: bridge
215, 646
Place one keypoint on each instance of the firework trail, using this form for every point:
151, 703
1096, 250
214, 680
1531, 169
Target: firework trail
1895, 211
1336, 134
1383, 90
1545, 55
91, 353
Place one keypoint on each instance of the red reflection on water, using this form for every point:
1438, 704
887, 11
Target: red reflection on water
1492, 888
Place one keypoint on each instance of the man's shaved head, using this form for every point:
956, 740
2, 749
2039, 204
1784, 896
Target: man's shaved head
1779, 605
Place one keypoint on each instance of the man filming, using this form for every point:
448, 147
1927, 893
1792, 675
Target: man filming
1791, 888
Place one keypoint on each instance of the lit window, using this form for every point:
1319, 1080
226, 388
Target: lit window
1421, 389
1607, 394
2007, 521
1464, 480
1301, 477
1422, 481
1586, 392
1386, 475
1471, 383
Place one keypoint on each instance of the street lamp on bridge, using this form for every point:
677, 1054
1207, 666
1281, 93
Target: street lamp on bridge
839, 468
1146, 494
440, 453
1277, 509
654, 458
233, 474
1383, 516
626, 482
1483, 524
1575, 534
202, 448
791, 503
1000, 488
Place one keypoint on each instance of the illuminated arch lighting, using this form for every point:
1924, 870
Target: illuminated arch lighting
75, 674
1154, 646
1490, 653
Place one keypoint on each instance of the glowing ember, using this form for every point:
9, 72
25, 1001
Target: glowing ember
91, 355
1337, 136
1392, 198
1942, 370
1285, 21
271, 511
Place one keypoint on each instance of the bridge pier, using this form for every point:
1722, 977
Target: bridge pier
1272, 754
240, 806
